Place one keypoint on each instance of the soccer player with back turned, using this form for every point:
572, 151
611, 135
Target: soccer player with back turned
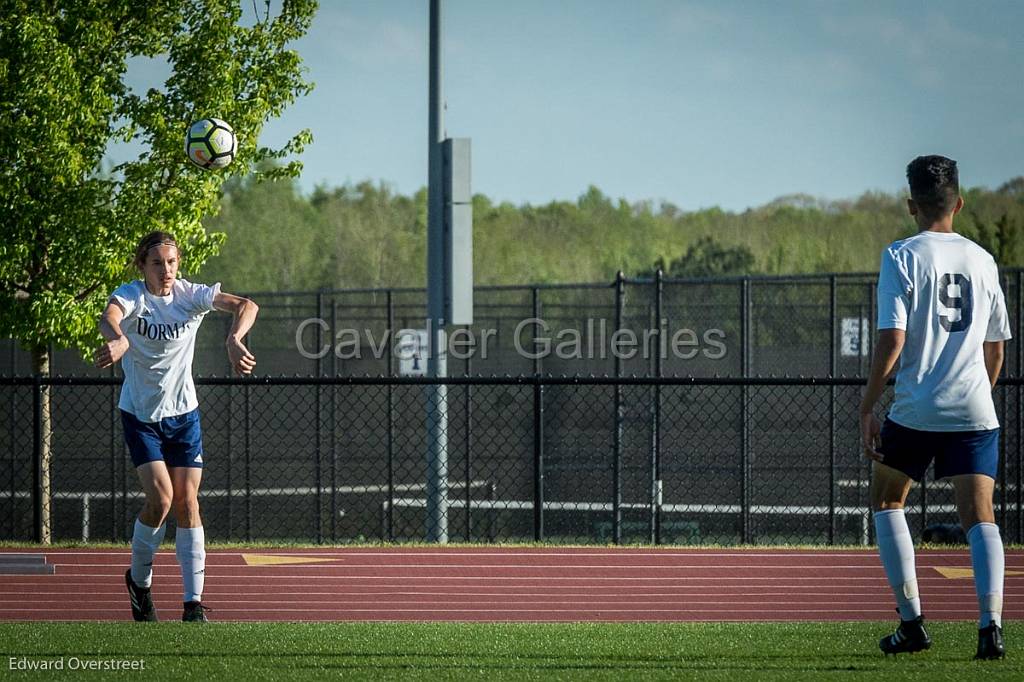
942, 315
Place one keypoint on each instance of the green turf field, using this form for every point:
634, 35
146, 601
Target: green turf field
458, 651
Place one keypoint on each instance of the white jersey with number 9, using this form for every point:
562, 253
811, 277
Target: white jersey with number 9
943, 290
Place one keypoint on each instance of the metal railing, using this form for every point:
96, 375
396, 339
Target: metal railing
809, 325
536, 458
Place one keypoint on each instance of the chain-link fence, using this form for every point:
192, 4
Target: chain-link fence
671, 460
811, 325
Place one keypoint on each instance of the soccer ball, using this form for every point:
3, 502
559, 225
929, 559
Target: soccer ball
211, 143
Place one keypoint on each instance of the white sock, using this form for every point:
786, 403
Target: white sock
989, 566
896, 548
145, 542
190, 546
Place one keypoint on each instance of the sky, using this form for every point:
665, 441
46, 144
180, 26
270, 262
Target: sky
718, 103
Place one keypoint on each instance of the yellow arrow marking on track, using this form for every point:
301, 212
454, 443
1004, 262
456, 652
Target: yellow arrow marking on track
279, 560
964, 572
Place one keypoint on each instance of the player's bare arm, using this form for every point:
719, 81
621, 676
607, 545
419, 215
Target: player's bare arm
116, 342
993, 351
244, 311
887, 353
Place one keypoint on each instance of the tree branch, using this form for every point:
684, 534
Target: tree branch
82, 295
39, 257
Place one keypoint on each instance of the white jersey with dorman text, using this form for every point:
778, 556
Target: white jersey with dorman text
161, 332
943, 290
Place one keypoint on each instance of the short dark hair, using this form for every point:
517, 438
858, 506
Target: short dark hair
934, 185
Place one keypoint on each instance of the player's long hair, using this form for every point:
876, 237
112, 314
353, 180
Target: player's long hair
156, 238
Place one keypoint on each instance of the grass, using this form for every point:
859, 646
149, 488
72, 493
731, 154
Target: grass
459, 651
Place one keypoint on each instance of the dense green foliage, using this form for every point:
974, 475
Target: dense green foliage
68, 229
366, 235
496, 651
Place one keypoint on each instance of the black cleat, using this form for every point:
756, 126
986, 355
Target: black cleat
195, 612
910, 637
143, 610
990, 643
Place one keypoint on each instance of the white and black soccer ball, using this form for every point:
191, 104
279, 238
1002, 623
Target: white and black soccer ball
211, 143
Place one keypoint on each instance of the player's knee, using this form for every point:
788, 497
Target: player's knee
159, 504
186, 503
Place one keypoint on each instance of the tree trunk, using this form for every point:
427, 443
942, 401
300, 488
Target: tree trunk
41, 367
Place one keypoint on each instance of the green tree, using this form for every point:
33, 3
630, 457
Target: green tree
68, 229
1013, 188
371, 236
708, 258
366, 235
279, 247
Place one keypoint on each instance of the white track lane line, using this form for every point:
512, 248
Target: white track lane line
275, 577
403, 590
823, 609
525, 552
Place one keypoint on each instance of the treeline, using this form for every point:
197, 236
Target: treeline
366, 235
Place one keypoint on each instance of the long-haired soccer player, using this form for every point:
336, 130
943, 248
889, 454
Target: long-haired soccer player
150, 325
941, 313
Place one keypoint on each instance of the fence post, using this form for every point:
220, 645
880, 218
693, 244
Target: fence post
1002, 454
1003, 451
617, 452
391, 419
832, 365
924, 503
538, 460
538, 366
865, 463
230, 478
745, 468
468, 396
37, 458
491, 497
871, 321
113, 461
860, 340
123, 516
333, 425
14, 462
538, 426
247, 417
655, 518
317, 439
1020, 364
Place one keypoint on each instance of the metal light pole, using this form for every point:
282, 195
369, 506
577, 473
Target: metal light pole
437, 361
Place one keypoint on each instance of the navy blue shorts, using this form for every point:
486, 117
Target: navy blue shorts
176, 441
954, 452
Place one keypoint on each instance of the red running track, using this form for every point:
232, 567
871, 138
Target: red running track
502, 584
